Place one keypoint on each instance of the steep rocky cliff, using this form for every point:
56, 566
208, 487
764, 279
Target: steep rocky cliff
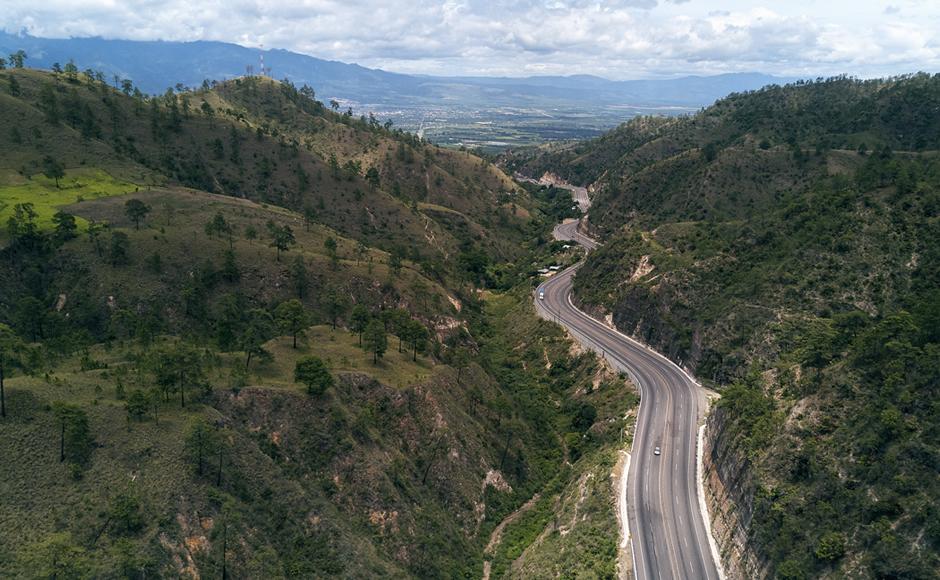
729, 491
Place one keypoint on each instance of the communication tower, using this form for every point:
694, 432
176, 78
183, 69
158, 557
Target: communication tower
264, 71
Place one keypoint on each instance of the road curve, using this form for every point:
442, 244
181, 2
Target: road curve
578, 194
569, 232
668, 536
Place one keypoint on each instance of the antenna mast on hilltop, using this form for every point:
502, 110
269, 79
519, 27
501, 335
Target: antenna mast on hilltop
264, 71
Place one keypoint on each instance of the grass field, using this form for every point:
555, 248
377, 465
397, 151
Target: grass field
78, 185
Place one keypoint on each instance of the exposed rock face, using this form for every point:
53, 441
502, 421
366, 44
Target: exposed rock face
649, 319
729, 492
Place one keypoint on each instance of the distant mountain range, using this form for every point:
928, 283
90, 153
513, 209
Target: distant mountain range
156, 65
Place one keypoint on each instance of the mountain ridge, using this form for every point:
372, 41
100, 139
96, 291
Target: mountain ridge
178, 63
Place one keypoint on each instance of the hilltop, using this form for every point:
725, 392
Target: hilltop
781, 245
269, 142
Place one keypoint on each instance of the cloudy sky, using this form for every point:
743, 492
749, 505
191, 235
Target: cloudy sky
620, 39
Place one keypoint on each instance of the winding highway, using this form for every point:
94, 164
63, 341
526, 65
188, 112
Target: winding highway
665, 517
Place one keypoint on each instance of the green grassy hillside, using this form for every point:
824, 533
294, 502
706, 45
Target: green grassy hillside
297, 496
401, 469
782, 245
47, 197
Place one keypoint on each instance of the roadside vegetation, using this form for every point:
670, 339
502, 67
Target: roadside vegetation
588, 412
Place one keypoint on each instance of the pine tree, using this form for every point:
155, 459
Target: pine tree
313, 372
375, 340
359, 320
52, 169
298, 274
292, 318
136, 210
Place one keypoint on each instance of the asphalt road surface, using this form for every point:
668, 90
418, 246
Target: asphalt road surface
580, 196
668, 535
568, 232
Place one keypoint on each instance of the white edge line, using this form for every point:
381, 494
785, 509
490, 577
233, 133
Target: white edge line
700, 484
624, 516
636, 429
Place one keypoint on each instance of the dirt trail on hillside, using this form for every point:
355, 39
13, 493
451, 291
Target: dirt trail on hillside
497, 535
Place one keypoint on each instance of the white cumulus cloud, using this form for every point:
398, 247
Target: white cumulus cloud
613, 38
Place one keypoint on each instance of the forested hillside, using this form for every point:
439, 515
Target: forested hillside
72, 143
270, 142
782, 244
244, 335
747, 153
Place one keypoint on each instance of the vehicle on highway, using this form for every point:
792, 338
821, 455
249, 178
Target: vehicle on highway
541, 294
656, 451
